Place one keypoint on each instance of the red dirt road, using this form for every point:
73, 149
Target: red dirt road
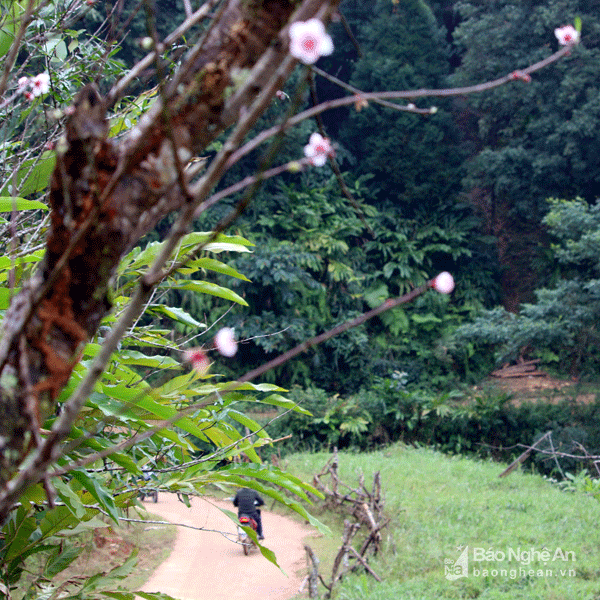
206, 565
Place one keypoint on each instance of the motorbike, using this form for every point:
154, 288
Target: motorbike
247, 542
148, 493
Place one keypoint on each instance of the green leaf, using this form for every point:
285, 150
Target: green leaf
101, 580
16, 564
222, 242
60, 560
177, 314
247, 475
100, 494
220, 439
286, 403
376, 295
9, 203
35, 494
5, 297
6, 39
251, 424
425, 319
122, 571
11, 18
211, 264
266, 552
255, 387
33, 176
70, 498
57, 48
18, 532
122, 459
59, 520
137, 259
177, 386
396, 320
89, 525
164, 412
131, 357
205, 287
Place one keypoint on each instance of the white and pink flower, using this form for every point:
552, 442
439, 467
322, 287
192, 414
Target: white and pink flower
31, 87
443, 283
567, 35
40, 84
225, 342
318, 149
198, 359
22, 84
309, 41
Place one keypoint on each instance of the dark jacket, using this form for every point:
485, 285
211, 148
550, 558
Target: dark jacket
247, 501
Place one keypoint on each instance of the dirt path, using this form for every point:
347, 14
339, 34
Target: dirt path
208, 566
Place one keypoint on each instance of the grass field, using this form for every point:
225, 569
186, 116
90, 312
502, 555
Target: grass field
526, 538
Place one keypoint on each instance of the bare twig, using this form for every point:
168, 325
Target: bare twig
523, 456
393, 95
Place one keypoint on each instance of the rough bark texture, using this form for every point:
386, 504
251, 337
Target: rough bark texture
106, 195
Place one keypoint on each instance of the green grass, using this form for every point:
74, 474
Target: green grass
439, 503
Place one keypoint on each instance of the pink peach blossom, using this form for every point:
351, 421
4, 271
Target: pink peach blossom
318, 149
40, 84
567, 35
309, 41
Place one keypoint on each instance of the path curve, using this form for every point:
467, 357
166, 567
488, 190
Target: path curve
208, 566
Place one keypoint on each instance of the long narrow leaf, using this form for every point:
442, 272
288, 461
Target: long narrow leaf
8, 204
98, 492
211, 264
205, 287
59, 561
177, 314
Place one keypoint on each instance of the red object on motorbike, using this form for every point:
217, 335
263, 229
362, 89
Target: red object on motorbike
248, 521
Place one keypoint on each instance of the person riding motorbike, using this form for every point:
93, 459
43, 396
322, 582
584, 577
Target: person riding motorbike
247, 502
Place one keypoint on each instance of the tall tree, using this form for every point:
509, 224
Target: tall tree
533, 140
413, 157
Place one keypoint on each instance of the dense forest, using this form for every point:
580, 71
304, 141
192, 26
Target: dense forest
465, 184
464, 189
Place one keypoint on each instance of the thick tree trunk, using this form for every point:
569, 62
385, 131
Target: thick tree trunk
105, 195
